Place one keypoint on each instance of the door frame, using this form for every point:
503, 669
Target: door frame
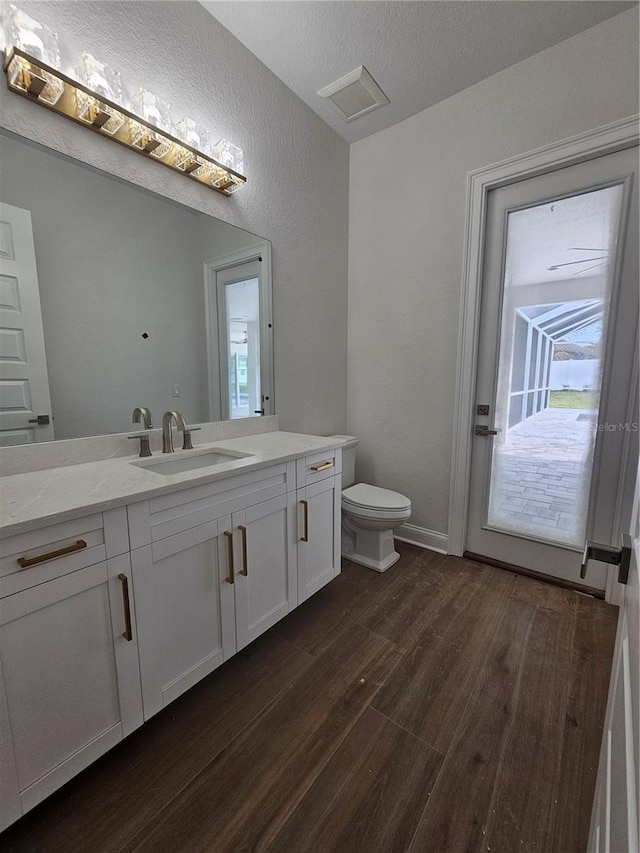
567, 152
211, 267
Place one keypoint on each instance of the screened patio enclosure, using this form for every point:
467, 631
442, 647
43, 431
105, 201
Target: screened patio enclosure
537, 330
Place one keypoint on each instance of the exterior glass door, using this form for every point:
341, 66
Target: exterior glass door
557, 291
556, 410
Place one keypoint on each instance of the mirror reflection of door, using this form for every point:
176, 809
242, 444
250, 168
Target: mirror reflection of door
558, 324
25, 405
239, 340
239, 310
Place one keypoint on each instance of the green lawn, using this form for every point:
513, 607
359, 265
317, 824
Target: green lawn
573, 400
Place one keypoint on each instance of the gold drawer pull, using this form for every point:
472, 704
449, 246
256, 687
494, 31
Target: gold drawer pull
26, 562
229, 535
305, 509
127, 633
323, 466
244, 571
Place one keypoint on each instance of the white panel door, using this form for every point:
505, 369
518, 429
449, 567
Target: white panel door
318, 535
69, 682
183, 590
24, 383
265, 576
615, 820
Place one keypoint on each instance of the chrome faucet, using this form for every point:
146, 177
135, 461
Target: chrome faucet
167, 435
145, 414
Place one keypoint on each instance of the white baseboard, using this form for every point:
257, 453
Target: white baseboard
423, 538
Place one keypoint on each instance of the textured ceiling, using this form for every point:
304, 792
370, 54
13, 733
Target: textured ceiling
418, 51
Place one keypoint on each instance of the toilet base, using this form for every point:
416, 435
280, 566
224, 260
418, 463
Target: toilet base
374, 549
391, 560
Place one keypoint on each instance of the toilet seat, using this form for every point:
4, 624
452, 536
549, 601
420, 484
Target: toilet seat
372, 502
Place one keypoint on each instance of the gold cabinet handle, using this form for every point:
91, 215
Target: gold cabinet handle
229, 535
126, 603
305, 510
323, 466
245, 570
26, 562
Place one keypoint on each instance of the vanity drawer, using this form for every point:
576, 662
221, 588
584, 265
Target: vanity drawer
42, 555
318, 466
32, 558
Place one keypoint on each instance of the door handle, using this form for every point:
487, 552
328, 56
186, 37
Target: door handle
305, 511
126, 603
482, 429
245, 563
620, 557
230, 577
41, 420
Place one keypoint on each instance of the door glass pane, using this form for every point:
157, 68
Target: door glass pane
242, 300
559, 265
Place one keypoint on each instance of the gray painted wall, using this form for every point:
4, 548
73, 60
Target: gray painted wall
406, 244
297, 169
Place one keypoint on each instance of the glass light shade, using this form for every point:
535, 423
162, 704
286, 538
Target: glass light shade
189, 162
41, 43
193, 134
229, 155
235, 184
219, 177
102, 80
156, 112
223, 180
34, 38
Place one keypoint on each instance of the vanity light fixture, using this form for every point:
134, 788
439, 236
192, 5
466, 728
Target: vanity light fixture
41, 83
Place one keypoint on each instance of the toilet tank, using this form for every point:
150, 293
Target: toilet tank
349, 443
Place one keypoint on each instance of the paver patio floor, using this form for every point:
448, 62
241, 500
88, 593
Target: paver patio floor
541, 475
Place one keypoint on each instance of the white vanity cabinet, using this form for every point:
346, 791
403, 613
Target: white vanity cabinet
266, 578
106, 619
184, 605
69, 680
218, 569
319, 520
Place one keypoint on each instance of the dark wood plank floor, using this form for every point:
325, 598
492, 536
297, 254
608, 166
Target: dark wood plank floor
441, 706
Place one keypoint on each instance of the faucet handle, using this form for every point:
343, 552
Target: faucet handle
145, 449
186, 442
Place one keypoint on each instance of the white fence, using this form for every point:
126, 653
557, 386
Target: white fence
576, 374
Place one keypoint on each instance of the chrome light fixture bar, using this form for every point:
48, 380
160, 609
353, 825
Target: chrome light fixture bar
48, 87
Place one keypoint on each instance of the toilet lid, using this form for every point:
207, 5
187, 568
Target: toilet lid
371, 497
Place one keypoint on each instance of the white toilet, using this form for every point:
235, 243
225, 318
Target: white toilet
369, 516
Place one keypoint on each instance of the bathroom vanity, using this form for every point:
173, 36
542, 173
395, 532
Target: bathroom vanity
122, 586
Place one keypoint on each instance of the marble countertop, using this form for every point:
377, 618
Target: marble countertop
39, 498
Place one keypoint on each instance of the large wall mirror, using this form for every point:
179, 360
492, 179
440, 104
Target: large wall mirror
142, 302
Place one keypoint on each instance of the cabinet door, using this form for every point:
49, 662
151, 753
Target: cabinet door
318, 535
185, 608
265, 566
69, 680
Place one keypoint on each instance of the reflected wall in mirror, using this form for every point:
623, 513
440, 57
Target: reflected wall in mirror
121, 277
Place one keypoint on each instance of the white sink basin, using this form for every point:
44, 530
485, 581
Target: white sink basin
191, 461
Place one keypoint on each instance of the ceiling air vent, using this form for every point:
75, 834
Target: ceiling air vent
355, 94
